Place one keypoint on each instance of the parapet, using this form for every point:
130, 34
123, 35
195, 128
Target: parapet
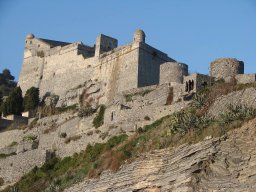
104, 44
226, 67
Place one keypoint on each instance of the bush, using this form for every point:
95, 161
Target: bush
147, 118
29, 138
114, 141
99, 119
13, 104
31, 99
236, 112
63, 135
86, 112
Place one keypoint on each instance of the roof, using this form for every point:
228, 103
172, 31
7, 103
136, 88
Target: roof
54, 43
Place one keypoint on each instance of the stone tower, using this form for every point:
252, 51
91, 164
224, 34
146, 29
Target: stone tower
226, 67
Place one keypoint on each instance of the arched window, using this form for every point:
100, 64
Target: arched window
186, 89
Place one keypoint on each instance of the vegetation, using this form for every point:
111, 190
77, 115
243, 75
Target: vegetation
99, 119
59, 174
13, 104
51, 110
187, 126
3, 156
14, 143
86, 112
31, 99
7, 83
29, 138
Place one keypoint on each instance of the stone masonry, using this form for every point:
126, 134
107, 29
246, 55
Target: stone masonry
57, 67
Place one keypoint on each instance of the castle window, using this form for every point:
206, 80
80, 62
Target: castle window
186, 89
189, 86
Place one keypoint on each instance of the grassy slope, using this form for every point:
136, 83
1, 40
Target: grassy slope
187, 126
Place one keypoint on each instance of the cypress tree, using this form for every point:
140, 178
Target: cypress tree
31, 99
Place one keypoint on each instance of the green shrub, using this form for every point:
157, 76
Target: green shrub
66, 108
14, 143
29, 138
114, 141
99, 119
31, 99
86, 112
13, 104
236, 112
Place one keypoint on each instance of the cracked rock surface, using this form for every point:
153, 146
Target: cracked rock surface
218, 164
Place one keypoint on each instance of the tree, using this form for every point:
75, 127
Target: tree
13, 104
7, 75
6, 82
31, 99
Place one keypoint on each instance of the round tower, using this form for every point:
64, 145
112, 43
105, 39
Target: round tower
226, 67
172, 72
139, 36
30, 36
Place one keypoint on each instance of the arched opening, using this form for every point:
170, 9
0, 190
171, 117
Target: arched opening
192, 84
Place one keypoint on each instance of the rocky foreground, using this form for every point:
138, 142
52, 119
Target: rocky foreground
216, 164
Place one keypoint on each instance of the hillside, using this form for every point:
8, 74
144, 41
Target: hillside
224, 163
198, 145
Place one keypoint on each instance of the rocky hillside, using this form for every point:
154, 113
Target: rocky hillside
224, 163
204, 143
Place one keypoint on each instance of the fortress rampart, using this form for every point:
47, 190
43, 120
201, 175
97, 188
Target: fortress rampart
56, 67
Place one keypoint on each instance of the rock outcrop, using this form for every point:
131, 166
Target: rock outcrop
217, 164
245, 97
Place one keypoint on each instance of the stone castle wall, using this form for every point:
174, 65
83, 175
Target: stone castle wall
56, 67
150, 60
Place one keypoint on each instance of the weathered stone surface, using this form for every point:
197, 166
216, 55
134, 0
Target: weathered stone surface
245, 97
217, 164
226, 67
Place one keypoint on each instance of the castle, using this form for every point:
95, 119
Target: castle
57, 68
134, 84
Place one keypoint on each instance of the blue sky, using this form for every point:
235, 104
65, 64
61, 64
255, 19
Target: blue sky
194, 32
